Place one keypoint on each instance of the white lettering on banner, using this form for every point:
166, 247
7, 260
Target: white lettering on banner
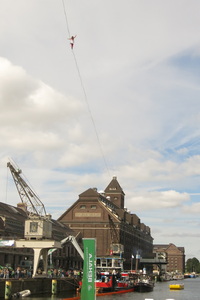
90, 268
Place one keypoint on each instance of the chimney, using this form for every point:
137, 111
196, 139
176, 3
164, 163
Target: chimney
22, 206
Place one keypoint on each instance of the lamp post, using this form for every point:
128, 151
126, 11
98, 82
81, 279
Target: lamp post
137, 261
132, 262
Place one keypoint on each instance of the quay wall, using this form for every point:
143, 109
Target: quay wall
38, 285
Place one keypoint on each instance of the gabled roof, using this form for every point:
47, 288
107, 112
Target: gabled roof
168, 246
67, 210
114, 187
172, 246
89, 193
117, 213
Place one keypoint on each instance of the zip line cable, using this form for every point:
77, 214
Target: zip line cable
66, 17
85, 95
89, 110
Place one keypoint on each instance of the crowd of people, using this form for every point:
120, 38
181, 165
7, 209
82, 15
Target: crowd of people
57, 273
8, 272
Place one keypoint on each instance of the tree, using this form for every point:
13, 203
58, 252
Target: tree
193, 265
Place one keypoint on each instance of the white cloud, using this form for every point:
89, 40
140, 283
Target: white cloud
26, 101
192, 209
142, 201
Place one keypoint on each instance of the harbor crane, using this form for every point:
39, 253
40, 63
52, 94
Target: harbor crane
31, 201
114, 234
116, 246
38, 225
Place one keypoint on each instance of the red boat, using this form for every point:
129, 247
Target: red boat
109, 283
105, 293
106, 283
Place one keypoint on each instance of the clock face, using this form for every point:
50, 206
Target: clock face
33, 227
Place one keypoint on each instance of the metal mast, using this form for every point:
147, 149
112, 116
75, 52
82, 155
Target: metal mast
113, 232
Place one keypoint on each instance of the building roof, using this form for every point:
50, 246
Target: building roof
12, 221
117, 214
168, 246
90, 193
114, 187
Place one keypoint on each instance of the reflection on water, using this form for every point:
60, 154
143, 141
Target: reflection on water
59, 296
161, 291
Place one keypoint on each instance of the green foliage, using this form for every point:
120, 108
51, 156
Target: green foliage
193, 265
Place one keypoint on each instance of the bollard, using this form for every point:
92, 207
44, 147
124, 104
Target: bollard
54, 287
8, 289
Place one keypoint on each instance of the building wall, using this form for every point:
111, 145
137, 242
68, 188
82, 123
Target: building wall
90, 215
175, 257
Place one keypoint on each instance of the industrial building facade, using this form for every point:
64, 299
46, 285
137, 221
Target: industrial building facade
175, 257
104, 217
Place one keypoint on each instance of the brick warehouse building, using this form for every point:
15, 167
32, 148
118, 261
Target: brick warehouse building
175, 257
104, 217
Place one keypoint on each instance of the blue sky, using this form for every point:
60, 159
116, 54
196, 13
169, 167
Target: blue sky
138, 120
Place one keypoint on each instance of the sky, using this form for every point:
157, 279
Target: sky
125, 102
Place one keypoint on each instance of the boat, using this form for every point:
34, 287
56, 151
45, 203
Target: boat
190, 275
178, 277
123, 291
109, 283
90, 287
24, 293
166, 277
176, 286
143, 285
105, 283
124, 281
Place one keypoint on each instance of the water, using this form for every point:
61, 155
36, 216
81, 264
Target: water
161, 291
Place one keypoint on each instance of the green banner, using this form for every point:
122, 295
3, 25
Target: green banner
88, 291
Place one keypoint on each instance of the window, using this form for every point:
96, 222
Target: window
82, 206
93, 206
33, 226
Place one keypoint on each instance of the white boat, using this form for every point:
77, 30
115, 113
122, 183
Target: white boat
24, 293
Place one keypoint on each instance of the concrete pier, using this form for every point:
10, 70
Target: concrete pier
38, 285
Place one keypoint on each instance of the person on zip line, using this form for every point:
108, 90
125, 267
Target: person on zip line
72, 41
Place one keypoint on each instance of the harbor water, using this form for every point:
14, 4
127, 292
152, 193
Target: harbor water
161, 291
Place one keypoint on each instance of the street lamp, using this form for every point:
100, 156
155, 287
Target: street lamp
132, 262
